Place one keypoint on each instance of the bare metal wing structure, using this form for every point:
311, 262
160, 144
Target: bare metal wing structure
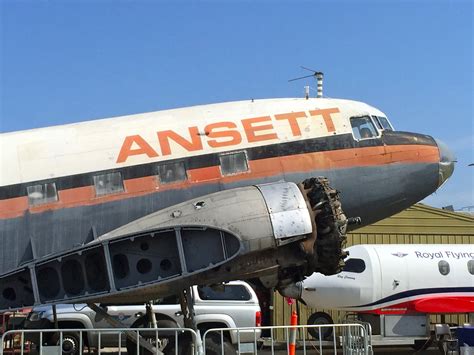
277, 232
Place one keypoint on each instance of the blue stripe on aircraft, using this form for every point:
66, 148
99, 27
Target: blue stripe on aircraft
418, 292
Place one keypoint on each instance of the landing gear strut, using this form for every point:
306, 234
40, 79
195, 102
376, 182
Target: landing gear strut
144, 343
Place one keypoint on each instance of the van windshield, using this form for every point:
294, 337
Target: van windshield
363, 128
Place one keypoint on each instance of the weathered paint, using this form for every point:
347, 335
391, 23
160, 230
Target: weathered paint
86, 147
284, 139
63, 228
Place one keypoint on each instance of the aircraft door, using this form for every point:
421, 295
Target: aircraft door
371, 285
394, 273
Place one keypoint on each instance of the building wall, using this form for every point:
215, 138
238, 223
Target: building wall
419, 224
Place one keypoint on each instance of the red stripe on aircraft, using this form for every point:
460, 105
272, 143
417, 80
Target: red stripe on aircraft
430, 304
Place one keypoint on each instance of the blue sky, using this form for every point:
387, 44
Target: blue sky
69, 61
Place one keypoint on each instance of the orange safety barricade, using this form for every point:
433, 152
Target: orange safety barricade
292, 345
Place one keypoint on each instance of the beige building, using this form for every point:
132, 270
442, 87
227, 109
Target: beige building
419, 224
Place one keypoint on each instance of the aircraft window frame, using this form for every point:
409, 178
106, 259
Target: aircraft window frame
108, 183
383, 123
45, 193
354, 265
444, 267
377, 123
369, 120
227, 168
171, 173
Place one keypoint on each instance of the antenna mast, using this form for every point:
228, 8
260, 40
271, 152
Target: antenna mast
319, 80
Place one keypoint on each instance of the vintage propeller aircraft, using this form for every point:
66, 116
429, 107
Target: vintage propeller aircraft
136, 207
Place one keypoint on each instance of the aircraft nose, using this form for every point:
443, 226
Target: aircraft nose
446, 162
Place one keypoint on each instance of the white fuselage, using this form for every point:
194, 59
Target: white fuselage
398, 279
98, 145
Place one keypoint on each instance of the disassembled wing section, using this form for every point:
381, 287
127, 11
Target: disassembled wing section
267, 231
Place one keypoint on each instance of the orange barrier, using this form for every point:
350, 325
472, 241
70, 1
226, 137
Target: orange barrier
292, 345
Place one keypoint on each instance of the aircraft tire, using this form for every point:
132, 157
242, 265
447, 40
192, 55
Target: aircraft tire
143, 322
214, 347
185, 345
320, 318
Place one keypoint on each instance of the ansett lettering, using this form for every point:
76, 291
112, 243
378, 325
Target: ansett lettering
220, 134
444, 255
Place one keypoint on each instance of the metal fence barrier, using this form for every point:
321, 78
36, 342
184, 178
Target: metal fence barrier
119, 340
355, 339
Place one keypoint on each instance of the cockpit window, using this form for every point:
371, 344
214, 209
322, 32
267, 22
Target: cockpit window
354, 265
363, 128
384, 123
377, 122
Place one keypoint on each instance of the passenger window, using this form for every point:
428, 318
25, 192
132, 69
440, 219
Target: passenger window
109, 183
443, 267
233, 163
172, 172
354, 265
470, 266
224, 293
42, 193
363, 128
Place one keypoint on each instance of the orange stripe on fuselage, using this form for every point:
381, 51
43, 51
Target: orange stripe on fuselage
335, 159
204, 174
13, 207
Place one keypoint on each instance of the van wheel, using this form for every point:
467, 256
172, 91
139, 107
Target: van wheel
70, 344
149, 336
214, 346
320, 318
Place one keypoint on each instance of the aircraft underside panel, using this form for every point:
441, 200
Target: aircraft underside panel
119, 264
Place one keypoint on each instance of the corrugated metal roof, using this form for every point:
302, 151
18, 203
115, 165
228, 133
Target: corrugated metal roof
421, 219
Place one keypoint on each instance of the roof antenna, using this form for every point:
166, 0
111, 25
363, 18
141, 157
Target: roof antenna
319, 79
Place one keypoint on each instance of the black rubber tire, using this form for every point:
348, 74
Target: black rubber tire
70, 344
142, 322
214, 346
320, 318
